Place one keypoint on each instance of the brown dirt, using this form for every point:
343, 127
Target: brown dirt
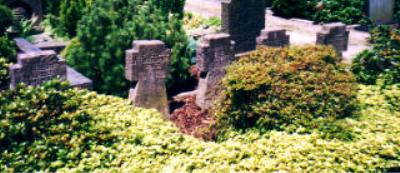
191, 120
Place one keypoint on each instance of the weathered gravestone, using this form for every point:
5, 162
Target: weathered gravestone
36, 67
273, 38
27, 9
243, 20
334, 34
214, 54
147, 66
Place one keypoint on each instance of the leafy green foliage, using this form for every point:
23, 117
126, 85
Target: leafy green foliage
109, 29
286, 89
383, 61
397, 11
86, 132
70, 13
170, 6
8, 49
4, 76
6, 19
294, 8
346, 11
43, 129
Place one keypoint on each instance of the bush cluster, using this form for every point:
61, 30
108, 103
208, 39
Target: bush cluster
6, 19
397, 11
109, 29
43, 128
346, 11
51, 129
383, 61
286, 89
4, 74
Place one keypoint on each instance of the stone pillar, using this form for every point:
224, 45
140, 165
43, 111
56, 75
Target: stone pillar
243, 20
147, 66
214, 54
274, 38
334, 34
35, 68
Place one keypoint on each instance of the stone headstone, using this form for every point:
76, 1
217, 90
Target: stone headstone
334, 34
147, 66
243, 20
214, 54
27, 9
37, 67
273, 38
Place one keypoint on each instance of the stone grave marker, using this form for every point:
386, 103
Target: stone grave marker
381, 11
147, 66
243, 20
273, 38
214, 54
334, 34
36, 67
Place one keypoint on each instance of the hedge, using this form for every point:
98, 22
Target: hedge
56, 129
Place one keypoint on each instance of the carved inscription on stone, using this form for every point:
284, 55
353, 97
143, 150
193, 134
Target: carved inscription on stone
214, 54
35, 68
147, 66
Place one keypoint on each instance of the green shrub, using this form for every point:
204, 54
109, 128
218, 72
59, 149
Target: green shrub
6, 19
397, 11
42, 128
144, 140
346, 11
8, 49
322, 11
286, 89
383, 61
4, 76
87, 132
109, 29
70, 13
294, 8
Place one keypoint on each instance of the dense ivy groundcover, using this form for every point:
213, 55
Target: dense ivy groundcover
114, 137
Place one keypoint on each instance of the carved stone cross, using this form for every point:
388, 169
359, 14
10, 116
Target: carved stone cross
214, 54
147, 66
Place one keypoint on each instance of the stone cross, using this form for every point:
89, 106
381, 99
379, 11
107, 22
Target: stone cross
243, 20
36, 67
147, 66
334, 34
214, 54
273, 38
